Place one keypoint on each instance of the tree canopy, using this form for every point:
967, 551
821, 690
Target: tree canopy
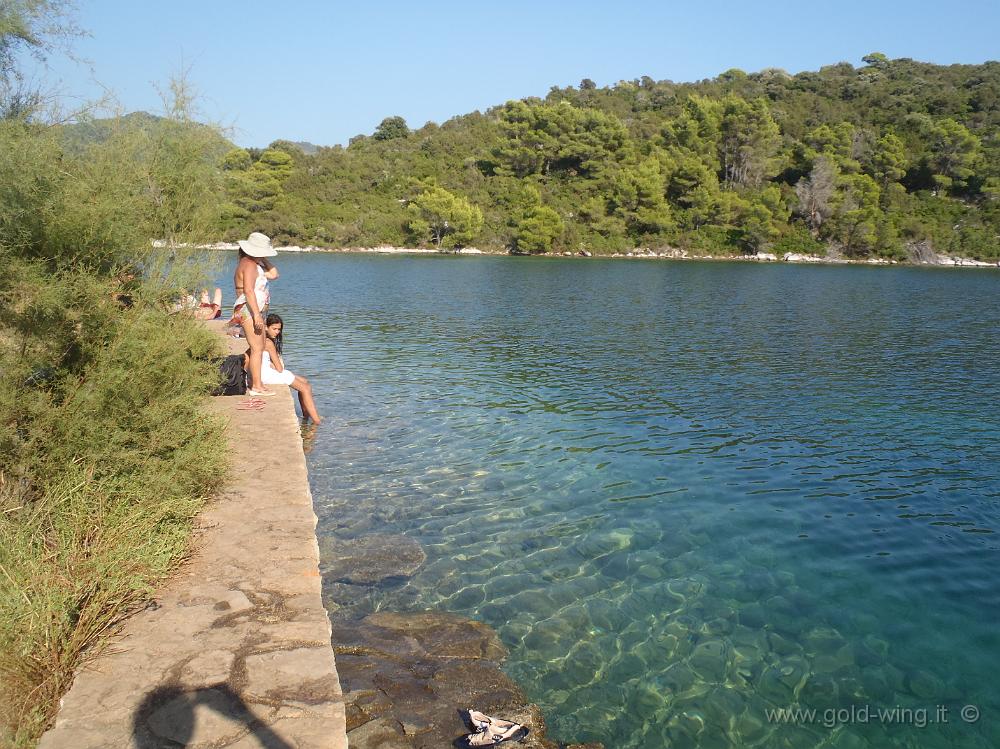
864, 161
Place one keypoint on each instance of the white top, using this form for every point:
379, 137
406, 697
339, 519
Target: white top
271, 376
260, 291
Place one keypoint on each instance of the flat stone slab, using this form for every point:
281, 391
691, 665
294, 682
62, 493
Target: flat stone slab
235, 650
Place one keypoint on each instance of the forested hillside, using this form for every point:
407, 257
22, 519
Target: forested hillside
858, 161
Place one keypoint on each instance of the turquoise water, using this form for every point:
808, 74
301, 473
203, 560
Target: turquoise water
684, 494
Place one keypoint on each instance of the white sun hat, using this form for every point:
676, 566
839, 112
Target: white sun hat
258, 245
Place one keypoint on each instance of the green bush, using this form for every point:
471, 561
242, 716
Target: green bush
106, 451
713, 240
799, 241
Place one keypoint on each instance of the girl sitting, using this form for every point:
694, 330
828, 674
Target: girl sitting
273, 370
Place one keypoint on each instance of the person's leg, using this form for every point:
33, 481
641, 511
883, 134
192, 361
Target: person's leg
301, 384
256, 343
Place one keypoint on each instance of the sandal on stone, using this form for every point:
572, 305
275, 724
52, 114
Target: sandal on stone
492, 731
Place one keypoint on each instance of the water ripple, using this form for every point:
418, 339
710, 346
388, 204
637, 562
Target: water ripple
682, 493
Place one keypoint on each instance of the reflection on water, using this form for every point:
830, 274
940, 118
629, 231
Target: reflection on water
684, 494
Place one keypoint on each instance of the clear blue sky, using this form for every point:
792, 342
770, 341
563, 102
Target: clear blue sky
325, 71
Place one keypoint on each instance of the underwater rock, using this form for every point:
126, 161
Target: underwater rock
606, 615
625, 667
717, 626
784, 615
844, 738
924, 685
781, 645
752, 615
467, 598
678, 678
895, 677
406, 676
773, 688
822, 641
583, 664
547, 635
369, 559
876, 686
600, 543
746, 653
793, 670
870, 651
722, 705
709, 660
757, 584
793, 737
682, 590
643, 700
751, 728
852, 689
684, 730
819, 691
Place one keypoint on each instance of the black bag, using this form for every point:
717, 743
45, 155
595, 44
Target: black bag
233, 378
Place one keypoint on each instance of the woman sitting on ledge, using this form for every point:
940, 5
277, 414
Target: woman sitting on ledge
273, 372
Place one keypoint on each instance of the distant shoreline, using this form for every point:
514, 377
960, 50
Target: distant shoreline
941, 261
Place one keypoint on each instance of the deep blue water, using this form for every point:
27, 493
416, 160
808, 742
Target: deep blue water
683, 493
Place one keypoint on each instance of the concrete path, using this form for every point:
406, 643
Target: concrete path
235, 650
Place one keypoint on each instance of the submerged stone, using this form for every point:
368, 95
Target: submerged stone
722, 706
871, 651
781, 645
626, 667
924, 685
406, 676
678, 678
751, 728
644, 700
819, 691
845, 738
369, 559
709, 660
772, 687
822, 641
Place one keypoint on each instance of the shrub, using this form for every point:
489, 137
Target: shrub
106, 452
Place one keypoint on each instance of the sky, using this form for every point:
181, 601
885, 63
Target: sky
325, 71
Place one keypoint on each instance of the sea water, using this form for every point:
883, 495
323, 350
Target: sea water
696, 500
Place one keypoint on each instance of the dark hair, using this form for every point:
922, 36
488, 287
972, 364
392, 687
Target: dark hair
279, 339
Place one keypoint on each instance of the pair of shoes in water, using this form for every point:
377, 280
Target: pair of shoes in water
491, 731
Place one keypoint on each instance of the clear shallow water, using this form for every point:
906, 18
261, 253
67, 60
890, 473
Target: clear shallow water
683, 493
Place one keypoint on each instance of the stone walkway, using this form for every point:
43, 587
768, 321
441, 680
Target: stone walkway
235, 650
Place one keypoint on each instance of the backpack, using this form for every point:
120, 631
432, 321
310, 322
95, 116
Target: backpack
232, 376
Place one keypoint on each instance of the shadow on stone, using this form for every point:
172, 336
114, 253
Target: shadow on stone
169, 717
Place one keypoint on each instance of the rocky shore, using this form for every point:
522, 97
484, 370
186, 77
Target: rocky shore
407, 675
920, 256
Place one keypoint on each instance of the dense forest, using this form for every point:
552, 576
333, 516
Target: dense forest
863, 161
